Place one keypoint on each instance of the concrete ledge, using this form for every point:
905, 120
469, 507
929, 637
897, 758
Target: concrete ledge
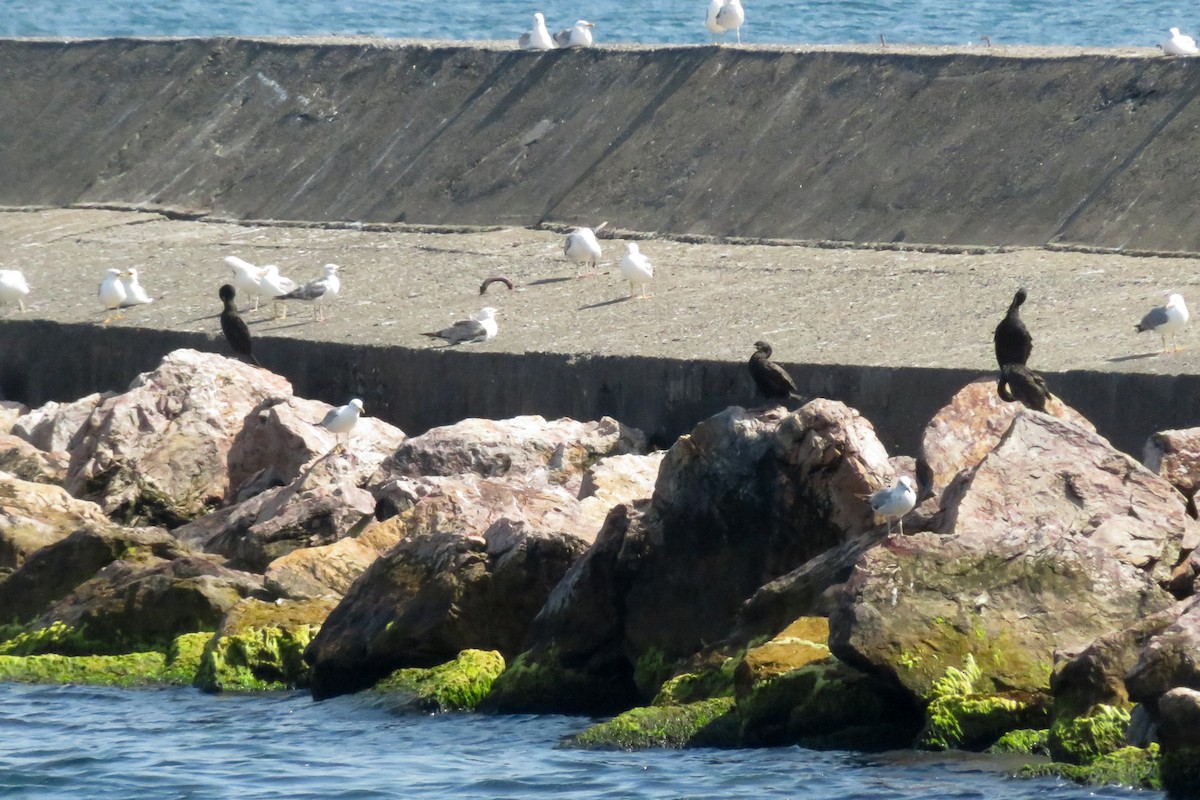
869, 145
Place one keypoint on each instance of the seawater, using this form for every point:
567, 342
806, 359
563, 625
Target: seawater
113, 744
1090, 23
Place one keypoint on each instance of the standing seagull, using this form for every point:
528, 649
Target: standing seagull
1179, 44
772, 380
895, 502
1018, 383
730, 16
318, 291
246, 277
1170, 318
538, 38
13, 287
1012, 339
636, 269
710, 19
342, 420
233, 326
135, 295
582, 247
479, 328
579, 35
275, 286
112, 295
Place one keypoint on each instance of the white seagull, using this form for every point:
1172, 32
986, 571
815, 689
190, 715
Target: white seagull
578, 35
318, 291
582, 247
112, 294
135, 295
636, 269
246, 278
725, 15
1179, 44
13, 287
710, 19
539, 37
275, 286
479, 328
342, 419
1168, 319
895, 502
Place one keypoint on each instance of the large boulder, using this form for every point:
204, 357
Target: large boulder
10, 412
1054, 538
1169, 659
744, 498
55, 570
1179, 731
34, 515
53, 426
282, 437
966, 429
157, 452
1175, 455
22, 460
478, 559
330, 570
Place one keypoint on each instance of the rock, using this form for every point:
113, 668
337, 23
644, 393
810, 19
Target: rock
477, 561
1083, 739
53, 426
458, 685
22, 460
1179, 731
151, 602
282, 437
330, 570
742, 499
175, 667
960, 718
971, 425
1169, 658
157, 452
705, 723
10, 412
1175, 455
562, 448
615, 480
321, 506
801, 643
1055, 538
34, 515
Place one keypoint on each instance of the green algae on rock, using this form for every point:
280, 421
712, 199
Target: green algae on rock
1083, 739
458, 685
176, 667
1128, 766
256, 659
958, 717
707, 723
1024, 741
539, 682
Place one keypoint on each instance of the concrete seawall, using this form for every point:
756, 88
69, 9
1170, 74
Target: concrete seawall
868, 145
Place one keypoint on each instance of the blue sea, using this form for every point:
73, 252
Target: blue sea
113, 744
1091, 23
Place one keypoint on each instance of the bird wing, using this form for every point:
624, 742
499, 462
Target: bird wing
524, 39
309, 291
1156, 317
465, 330
330, 417
562, 38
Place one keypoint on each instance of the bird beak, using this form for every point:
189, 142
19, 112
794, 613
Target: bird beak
591, 24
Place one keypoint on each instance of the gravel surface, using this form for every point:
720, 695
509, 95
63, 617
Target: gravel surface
815, 304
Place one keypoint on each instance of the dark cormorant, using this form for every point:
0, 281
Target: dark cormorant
1019, 383
1012, 339
233, 326
772, 380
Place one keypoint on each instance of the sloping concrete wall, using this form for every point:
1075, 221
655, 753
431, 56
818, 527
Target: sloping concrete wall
421, 388
861, 146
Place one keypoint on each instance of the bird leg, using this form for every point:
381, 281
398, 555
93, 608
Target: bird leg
21, 305
738, 31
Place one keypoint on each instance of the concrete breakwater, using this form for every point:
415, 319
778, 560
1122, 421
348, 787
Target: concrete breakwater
855, 145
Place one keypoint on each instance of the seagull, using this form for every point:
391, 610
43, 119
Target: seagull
710, 19
582, 247
636, 269
1179, 44
772, 380
342, 419
538, 38
13, 287
318, 291
135, 295
479, 328
895, 502
275, 286
730, 17
233, 326
246, 277
1012, 339
112, 294
1018, 383
1170, 318
579, 35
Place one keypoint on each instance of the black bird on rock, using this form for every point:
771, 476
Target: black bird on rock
234, 327
1019, 383
772, 380
1012, 339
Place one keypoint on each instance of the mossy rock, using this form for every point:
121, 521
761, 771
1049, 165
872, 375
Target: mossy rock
131, 669
976, 721
183, 658
1127, 766
707, 723
1180, 771
536, 683
458, 685
1024, 742
651, 671
715, 680
256, 659
1081, 740
57, 638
